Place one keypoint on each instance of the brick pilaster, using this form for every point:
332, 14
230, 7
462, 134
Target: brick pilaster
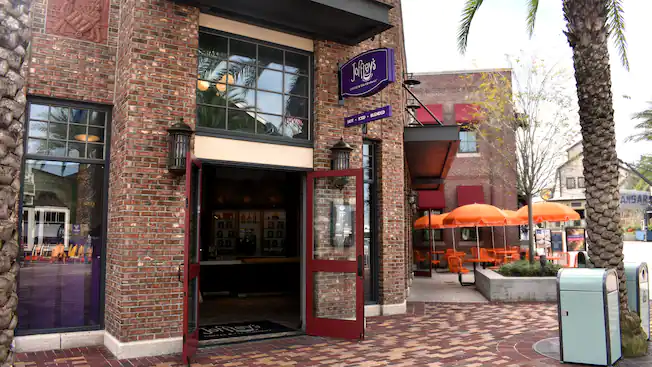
156, 72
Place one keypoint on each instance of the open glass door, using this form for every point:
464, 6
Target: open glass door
334, 254
191, 259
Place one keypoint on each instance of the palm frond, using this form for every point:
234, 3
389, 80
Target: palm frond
532, 7
470, 8
644, 127
616, 25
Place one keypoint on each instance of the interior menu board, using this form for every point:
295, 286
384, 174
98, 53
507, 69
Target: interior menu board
274, 225
249, 232
224, 226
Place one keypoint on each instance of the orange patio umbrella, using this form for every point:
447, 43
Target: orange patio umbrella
434, 221
476, 215
546, 211
512, 220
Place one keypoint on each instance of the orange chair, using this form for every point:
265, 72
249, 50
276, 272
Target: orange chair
419, 256
474, 252
455, 266
484, 254
565, 260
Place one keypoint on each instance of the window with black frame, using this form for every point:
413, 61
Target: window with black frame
370, 222
63, 216
248, 87
468, 139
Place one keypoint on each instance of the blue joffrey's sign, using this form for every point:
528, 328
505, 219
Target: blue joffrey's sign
368, 73
365, 117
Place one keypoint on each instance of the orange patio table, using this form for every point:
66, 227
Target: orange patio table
504, 252
482, 260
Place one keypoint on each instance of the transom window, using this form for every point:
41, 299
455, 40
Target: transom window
63, 131
253, 88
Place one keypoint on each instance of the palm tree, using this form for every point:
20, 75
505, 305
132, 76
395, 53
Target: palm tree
644, 127
589, 24
14, 40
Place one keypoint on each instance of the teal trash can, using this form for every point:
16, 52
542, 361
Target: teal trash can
638, 292
589, 316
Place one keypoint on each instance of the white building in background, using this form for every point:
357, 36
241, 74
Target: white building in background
568, 189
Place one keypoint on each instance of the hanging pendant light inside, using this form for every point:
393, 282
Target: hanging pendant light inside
89, 138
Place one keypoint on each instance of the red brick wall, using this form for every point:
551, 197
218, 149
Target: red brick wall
68, 68
157, 67
488, 169
329, 127
147, 69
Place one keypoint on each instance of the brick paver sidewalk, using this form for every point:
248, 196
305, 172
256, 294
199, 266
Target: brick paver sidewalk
430, 334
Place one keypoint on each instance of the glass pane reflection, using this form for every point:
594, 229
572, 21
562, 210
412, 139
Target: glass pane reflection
61, 241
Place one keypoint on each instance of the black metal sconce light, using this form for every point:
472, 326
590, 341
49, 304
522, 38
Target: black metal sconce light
413, 197
410, 81
178, 145
341, 160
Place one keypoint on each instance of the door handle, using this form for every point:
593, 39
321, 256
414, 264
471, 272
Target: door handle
179, 272
360, 265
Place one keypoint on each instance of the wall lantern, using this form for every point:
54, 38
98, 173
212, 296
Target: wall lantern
341, 155
412, 198
341, 161
178, 146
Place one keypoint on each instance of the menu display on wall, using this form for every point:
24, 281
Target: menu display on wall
248, 233
249, 236
274, 224
224, 226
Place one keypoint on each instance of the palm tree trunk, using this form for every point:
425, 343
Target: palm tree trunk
587, 34
14, 38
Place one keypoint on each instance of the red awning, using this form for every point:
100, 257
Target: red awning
424, 117
431, 199
469, 195
466, 112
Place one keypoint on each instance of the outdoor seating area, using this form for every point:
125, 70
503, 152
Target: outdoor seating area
462, 263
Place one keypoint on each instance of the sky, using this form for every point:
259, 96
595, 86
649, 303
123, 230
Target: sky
499, 29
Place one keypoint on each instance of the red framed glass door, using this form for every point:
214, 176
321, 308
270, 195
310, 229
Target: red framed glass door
334, 254
191, 259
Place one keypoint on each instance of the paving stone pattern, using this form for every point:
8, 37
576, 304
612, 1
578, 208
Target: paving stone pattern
430, 334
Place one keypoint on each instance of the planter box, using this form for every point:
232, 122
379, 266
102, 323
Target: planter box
498, 288
629, 236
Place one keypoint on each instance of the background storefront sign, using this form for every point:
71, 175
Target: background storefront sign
631, 199
76, 229
368, 116
368, 73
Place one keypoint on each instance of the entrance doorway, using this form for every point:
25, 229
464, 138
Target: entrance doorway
260, 261
250, 230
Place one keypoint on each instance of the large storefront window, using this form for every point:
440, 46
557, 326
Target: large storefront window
370, 223
63, 217
251, 88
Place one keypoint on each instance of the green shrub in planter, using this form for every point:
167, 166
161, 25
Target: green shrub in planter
523, 268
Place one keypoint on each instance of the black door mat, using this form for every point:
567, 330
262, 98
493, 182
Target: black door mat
241, 329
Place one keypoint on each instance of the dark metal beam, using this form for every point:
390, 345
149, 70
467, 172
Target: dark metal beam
422, 105
431, 133
422, 181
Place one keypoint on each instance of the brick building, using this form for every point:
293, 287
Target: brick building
123, 246
478, 173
